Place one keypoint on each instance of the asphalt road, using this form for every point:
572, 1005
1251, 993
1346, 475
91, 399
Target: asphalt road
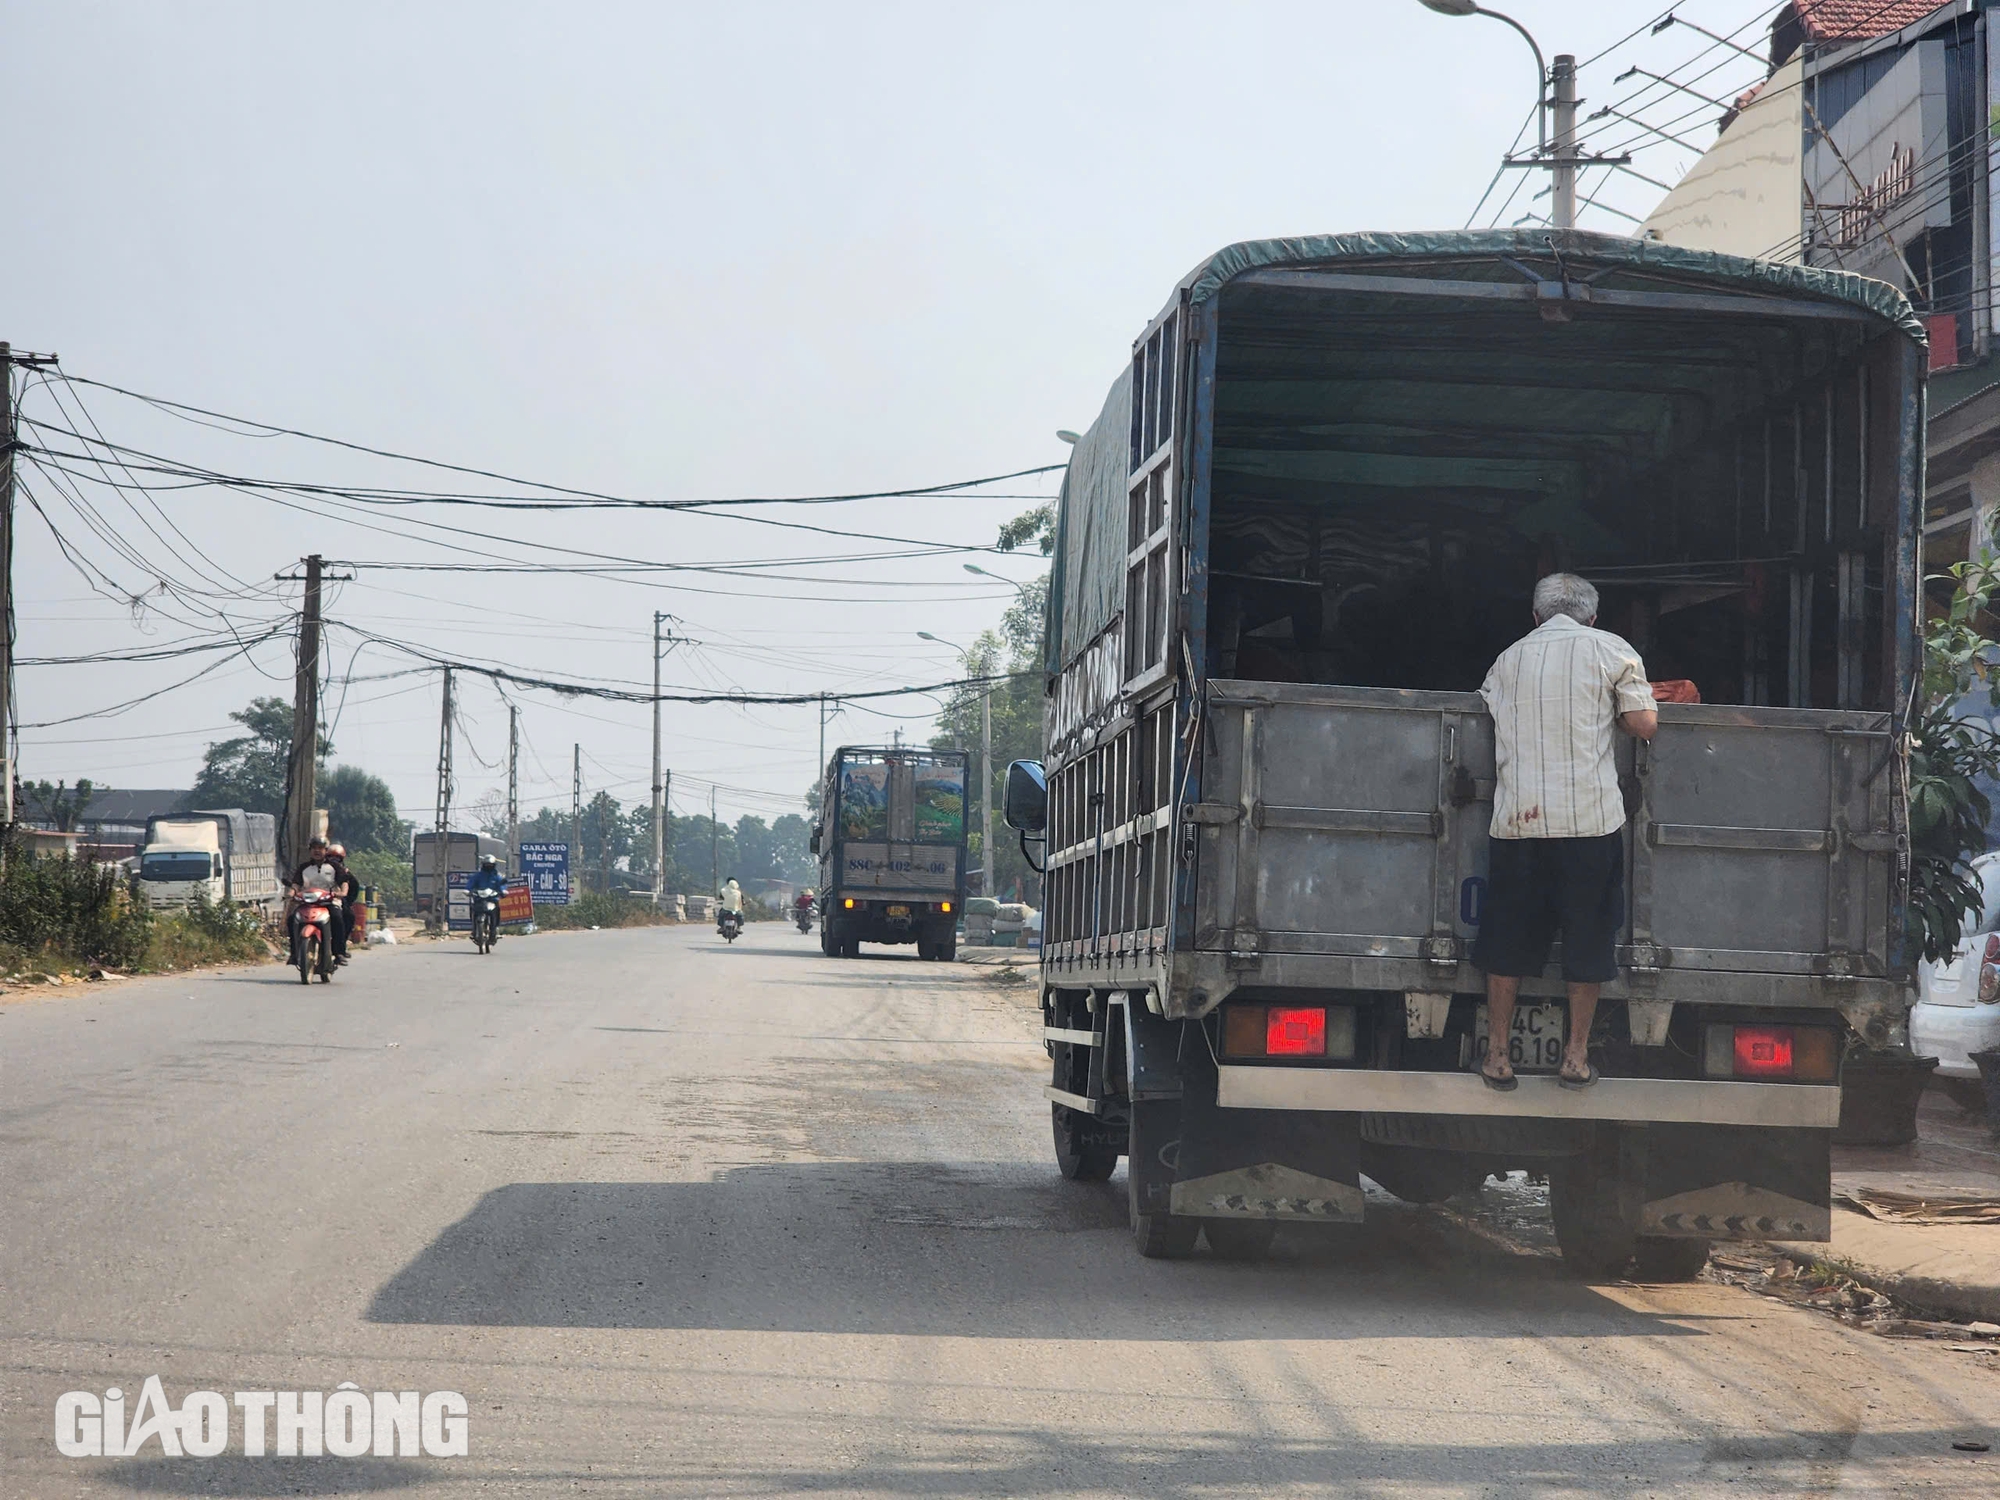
686, 1219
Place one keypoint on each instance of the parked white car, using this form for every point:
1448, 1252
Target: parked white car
1958, 1001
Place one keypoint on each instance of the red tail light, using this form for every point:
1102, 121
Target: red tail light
1763, 1052
1295, 1033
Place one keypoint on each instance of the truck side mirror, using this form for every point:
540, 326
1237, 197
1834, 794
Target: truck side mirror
1026, 805
813, 842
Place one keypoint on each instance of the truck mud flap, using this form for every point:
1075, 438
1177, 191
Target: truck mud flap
1295, 1166
1720, 1182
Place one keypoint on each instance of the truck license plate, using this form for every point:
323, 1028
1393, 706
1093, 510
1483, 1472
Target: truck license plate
1536, 1042
899, 911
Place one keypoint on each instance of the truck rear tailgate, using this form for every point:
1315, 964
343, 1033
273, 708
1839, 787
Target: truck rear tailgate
1348, 826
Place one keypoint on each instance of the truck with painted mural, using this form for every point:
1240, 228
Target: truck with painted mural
891, 845
1308, 519
227, 855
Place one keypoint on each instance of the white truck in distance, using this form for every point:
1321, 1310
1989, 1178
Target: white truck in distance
229, 855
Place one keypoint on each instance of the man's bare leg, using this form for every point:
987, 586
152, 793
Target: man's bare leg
1582, 1011
1501, 991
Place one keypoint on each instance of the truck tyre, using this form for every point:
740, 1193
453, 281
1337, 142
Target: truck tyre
850, 947
1158, 1236
1240, 1239
1083, 1152
1668, 1260
1596, 1237
946, 948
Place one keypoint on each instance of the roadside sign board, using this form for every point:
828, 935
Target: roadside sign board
547, 869
517, 903
457, 901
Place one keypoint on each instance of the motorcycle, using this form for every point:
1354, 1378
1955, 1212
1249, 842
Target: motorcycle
317, 913
803, 915
485, 920
729, 924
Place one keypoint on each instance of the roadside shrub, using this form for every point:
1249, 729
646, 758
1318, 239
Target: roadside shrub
390, 875
204, 933
598, 909
72, 907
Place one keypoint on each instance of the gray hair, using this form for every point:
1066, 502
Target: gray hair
1565, 594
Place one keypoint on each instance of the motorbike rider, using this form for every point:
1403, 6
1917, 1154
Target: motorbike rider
348, 889
804, 905
489, 878
316, 872
731, 900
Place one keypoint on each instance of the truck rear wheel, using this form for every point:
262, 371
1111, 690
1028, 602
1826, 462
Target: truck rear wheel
1083, 1151
1596, 1233
850, 947
1668, 1260
1240, 1239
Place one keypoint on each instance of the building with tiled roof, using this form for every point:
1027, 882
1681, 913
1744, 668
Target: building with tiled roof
1822, 23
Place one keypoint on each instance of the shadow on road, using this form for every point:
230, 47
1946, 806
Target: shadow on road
232, 1474
980, 1250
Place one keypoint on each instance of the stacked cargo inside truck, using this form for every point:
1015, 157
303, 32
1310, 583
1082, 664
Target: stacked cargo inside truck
1309, 518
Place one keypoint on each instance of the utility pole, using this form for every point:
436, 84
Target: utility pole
513, 790
440, 903
301, 775
1563, 76
576, 822
8, 732
714, 844
659, 790
7, 586
666, 822
988, 884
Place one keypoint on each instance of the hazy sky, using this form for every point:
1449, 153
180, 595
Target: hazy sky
671, 252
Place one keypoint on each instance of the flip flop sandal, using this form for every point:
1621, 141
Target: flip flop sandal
1500, 1085
1590, 1076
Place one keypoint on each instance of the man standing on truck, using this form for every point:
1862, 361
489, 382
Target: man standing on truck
1556, 851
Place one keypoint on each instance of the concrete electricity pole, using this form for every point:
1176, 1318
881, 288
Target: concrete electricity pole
9, 359
1556, 154
6, 587
301, 775
659, 789
440, 864
513, 790
1563, 75
714, 845
576, 822
988, 884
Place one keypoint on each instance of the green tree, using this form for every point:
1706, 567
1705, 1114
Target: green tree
791, 856
607, 837
1037, 526
361, 811
689, 867
1950, 756
1017, 727
249, 771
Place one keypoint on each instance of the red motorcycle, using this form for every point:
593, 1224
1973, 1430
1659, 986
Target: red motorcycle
314, 950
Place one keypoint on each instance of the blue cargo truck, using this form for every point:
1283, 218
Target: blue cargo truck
1308, 519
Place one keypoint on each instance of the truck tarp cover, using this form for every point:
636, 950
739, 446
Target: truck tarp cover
1088, 587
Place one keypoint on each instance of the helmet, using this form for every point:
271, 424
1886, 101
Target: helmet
338, 851
315, 842
489, 862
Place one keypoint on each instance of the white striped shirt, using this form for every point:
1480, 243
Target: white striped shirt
1554, 696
